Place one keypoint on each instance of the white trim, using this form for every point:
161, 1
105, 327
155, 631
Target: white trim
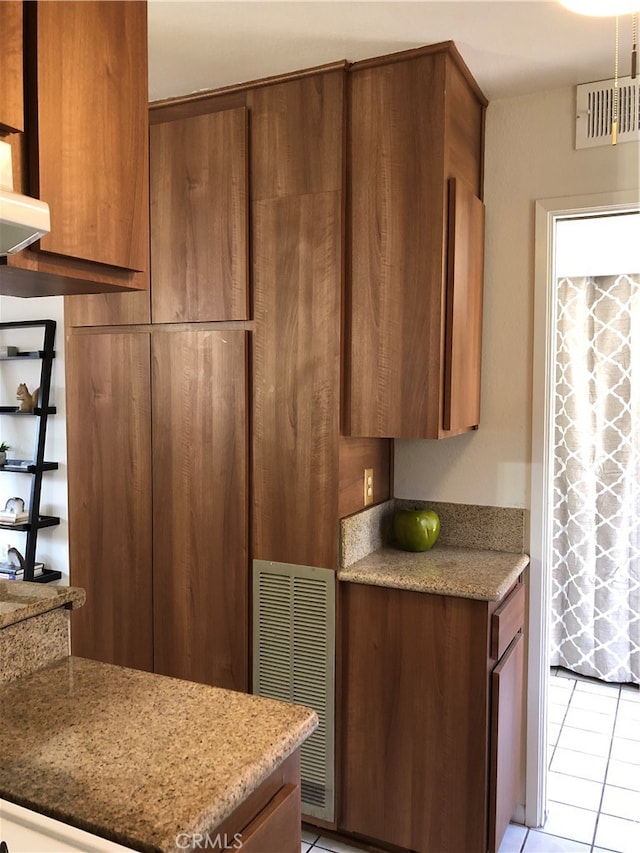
548, 211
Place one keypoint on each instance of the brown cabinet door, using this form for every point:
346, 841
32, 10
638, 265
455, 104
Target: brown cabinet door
200, 506
396, 276
463, 349
297, 263
415, 719
506, 740
109, 483
199, 218
87, 87
277, 828
11, 77
296, 136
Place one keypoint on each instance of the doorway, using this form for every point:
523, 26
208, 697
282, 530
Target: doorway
549, 214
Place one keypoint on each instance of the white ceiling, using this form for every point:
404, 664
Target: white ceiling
512, 47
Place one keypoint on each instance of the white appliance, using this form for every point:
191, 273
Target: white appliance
23, 219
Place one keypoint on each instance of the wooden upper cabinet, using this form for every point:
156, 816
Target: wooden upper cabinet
91, 162
199, 218
407, 137
297, 128
11, 77
85, 148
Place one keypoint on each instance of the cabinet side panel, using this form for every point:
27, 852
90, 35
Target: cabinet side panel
199, 218
396, 162
296, 274
109, 482
200, 506
464, 131
463, 346
356, 454
92, 119
297, 131
11, 95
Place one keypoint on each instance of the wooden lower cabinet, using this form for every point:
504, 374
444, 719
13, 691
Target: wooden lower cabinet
419, 699
158, 506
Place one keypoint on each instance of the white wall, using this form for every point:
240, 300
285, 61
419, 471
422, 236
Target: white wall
529, 155
20, 434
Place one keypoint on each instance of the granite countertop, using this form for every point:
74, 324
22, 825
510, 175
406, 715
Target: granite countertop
21, 600
445, 570
135, 757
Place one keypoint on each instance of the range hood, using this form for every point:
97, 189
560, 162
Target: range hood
23, 219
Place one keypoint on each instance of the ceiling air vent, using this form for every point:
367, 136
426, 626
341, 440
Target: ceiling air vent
594, 109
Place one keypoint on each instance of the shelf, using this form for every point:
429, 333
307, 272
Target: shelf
44, 521
37, 354
24, 466
37, 411
35, 466
47, 576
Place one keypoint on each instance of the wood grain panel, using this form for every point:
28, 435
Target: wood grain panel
109, 484
277, 828
91, 162
199, 218
108, 309
397, 231
507, 620
416, 719
355, 455
296, 136
286, 774
297, 276
464, 130
506, 740
463, 349
11, 76
200, 506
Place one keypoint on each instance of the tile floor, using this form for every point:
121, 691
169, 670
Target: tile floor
593, 785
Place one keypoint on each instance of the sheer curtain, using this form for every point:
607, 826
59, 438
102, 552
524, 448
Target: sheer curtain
595, 624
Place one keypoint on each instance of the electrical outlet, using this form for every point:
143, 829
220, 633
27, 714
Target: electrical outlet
368, 486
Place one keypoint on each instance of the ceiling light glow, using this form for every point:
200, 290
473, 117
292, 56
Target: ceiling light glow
602, 8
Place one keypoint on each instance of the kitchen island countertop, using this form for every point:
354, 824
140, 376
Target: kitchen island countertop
445, 570
135, 757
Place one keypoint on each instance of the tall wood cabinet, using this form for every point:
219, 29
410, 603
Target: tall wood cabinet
414, 318
108, 391
158, 500
84, 147
200, 505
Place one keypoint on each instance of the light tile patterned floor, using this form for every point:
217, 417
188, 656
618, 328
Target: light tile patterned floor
593, 785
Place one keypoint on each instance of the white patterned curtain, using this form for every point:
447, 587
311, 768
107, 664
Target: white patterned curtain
595, 624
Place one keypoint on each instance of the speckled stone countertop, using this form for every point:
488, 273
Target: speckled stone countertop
135, 757
21, 600
445, 570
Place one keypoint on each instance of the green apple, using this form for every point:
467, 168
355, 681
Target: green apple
416, 529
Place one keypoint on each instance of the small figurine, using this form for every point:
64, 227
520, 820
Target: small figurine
28, 401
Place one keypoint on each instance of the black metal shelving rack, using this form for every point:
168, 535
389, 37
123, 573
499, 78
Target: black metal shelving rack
37, 466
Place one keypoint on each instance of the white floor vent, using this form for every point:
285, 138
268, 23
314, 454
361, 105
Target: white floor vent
294, 660
594, 112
